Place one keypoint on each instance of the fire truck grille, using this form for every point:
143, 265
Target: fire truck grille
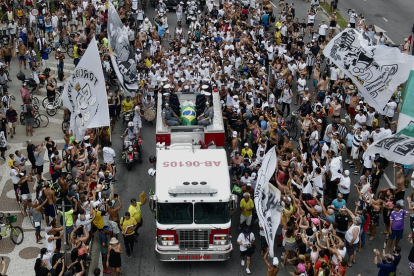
193, 239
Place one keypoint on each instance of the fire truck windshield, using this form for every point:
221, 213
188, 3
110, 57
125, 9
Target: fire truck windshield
211, 212
201, 213
175, 213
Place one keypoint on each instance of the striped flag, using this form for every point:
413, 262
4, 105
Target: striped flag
407, 109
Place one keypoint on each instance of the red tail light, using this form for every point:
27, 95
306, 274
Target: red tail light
217, 232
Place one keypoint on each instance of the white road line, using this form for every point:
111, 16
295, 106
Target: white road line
389, 181
385, 19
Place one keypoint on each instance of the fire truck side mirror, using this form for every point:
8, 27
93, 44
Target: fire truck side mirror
233, 203
152, 203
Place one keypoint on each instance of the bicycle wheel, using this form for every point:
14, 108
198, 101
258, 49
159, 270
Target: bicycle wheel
63, 154
65, 126
35, 101
51, 109
45, 102
63, 47
16, 234
36, 123
22, 119
70, 52
43, 120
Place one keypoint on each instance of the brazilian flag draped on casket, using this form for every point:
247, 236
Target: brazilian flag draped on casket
188, 115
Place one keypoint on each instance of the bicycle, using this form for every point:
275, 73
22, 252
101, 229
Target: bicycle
35, 101
52, 107
22, 202
65, 124
15, 232
46, 101
40, 120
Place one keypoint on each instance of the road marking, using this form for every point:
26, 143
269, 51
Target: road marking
272, 4
385, 19
389, 181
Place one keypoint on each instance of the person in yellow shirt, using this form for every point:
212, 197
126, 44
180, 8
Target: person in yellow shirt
11, 160
135, 211
278, 36
128, 227
105, 42
127, 104
246, 206
247, 151
98, 222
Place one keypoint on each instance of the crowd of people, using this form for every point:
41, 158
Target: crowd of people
258, 71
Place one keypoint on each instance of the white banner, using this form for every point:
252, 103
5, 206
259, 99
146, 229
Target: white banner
399, 149
375, 70
267, 199
336, 168
120, 51
85, 94
317, 181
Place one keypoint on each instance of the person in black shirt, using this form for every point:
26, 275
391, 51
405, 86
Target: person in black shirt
50, 146
40, 268
30, 154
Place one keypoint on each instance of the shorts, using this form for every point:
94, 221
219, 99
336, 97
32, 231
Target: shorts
354, 153
49, 29
7, 58
348, 150
50, 210
332, 28
27, 197
38, 228
29, 122
350, 248
22, 58
36, 79
406, 172
396, 234
263, 242
69, 229
114, 227
248, 219
12, 125
310, 24
104, 256
246, 253
352, 111
73, 22
39, 170
3, 148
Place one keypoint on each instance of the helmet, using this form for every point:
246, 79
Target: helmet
130, 124
152, 159
151, 172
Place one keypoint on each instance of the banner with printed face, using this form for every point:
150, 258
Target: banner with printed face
375, 70
122, 57
85, 94
399, 149
267, 199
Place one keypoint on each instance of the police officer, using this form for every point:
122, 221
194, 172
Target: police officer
131, 132
169, 118
206, 118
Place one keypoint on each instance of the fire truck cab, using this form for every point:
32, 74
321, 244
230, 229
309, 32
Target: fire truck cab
192, 204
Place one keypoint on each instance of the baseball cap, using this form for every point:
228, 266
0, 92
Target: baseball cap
253, 174
275, 261
346, 172
246, 144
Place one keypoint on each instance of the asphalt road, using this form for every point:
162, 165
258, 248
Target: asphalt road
132, 183
395, 17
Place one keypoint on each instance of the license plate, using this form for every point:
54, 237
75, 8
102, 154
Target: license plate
193, 257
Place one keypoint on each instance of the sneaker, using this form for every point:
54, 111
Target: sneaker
356, 172
107, 271
347, 160
351, 161
242, 263
352, 166
248, 271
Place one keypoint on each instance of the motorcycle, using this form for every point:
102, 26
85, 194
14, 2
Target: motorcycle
153, 170
132, 151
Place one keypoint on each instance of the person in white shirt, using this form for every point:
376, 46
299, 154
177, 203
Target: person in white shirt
246, 240
360, 119
334, 76
352, 18
322, 30
344, 186
390, 108
109, 154
301, 83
